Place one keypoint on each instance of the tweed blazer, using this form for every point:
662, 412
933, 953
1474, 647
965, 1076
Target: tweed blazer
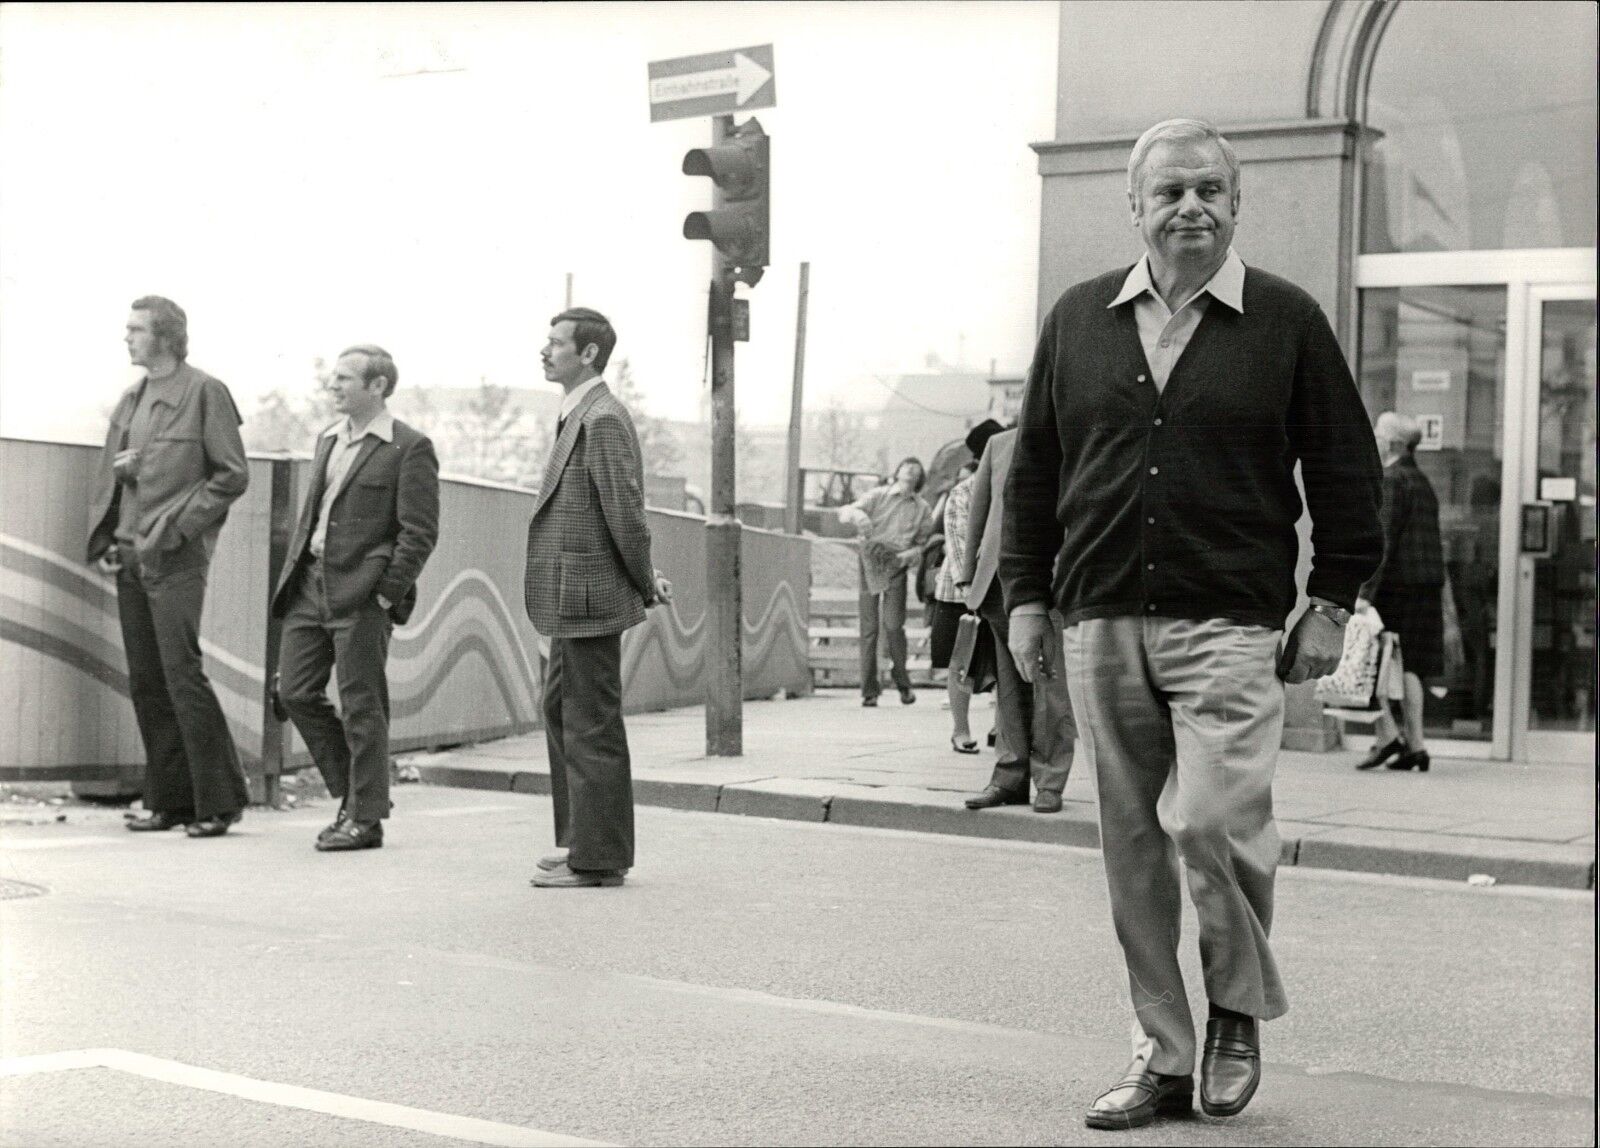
589, 572
986, 516
1412, 553
382, 526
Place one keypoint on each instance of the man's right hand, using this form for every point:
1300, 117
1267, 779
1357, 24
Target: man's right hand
110, 563
1027, 644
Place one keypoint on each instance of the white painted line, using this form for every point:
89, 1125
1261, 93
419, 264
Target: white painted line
51, 1062
466, 1128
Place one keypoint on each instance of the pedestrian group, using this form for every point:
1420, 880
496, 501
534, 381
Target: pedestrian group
1130, 544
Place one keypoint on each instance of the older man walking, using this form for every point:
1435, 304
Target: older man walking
1153, 501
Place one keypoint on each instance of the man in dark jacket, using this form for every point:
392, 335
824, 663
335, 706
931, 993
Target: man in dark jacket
588, 579
172, 465
1152, 500
369, 523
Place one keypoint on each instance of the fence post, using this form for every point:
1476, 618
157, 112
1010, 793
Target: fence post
280, 527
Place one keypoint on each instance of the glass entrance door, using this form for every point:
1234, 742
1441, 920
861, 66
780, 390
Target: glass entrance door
1553, 699
1438, 355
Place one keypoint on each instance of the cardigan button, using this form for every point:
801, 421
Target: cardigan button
1141, 378
1155, 470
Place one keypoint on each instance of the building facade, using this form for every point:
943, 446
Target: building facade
1427, 171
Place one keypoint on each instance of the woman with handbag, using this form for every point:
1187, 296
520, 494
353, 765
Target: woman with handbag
1407, 591
947, 608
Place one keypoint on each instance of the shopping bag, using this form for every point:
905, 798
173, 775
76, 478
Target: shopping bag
1353, 684
972, 658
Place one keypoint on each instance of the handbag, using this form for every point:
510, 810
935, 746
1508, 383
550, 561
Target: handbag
1354, 683
972, 658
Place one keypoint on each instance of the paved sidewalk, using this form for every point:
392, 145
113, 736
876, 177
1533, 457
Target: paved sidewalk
825, 758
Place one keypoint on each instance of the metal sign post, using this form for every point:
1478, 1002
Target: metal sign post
737, 162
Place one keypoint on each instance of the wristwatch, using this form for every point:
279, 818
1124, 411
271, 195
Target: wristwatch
1338, 615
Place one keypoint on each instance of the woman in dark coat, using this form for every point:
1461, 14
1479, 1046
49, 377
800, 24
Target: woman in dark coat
1408, 588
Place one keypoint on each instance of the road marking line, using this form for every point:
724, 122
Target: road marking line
50, 1062
465, 1128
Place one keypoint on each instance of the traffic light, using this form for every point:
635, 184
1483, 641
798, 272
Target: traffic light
739, 222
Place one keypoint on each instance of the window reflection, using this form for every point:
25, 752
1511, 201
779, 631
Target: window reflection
1438, 355
1487, 110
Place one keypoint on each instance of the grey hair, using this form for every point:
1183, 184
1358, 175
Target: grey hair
1181, 129
1398, 428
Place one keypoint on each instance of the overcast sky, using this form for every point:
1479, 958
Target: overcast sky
255, 164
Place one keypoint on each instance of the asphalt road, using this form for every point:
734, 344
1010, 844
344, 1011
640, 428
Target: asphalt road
755, 982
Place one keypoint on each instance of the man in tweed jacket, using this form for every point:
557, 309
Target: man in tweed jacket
588, 579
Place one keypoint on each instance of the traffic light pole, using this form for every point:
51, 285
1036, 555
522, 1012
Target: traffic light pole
724, 656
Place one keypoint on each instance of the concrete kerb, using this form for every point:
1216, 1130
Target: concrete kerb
1306, 845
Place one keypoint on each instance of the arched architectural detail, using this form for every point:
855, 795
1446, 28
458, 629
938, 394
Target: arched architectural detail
1341, 62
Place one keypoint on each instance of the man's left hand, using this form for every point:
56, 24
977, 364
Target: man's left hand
1313, 648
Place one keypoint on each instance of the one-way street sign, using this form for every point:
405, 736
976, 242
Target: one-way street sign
712, 84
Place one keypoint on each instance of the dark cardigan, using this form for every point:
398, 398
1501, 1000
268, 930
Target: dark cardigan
1183, 503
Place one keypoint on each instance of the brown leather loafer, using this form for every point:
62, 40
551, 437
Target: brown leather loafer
352, 835
1230, 1068
564, 878
158, 822
550, 862
213, 826
993, 795
1139, 1098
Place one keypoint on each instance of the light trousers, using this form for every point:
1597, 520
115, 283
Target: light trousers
1181, 720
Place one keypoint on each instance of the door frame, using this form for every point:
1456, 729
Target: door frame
1528, 744
1529, 277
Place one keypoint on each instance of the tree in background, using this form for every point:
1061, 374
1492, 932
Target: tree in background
285, 420
489, 439
663, 453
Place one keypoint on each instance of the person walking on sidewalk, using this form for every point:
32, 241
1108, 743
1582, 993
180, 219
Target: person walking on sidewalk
1153, 500
588, 579
892, 522
1408, 589
1037, 734
173, 464
369, 522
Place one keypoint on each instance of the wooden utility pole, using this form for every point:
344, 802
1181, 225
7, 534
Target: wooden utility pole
724, 655
794, 505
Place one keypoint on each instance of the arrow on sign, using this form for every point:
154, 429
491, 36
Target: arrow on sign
745, 78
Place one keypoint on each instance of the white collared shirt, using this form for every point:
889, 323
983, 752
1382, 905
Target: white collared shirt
345, 445
1164, 332
570, 400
